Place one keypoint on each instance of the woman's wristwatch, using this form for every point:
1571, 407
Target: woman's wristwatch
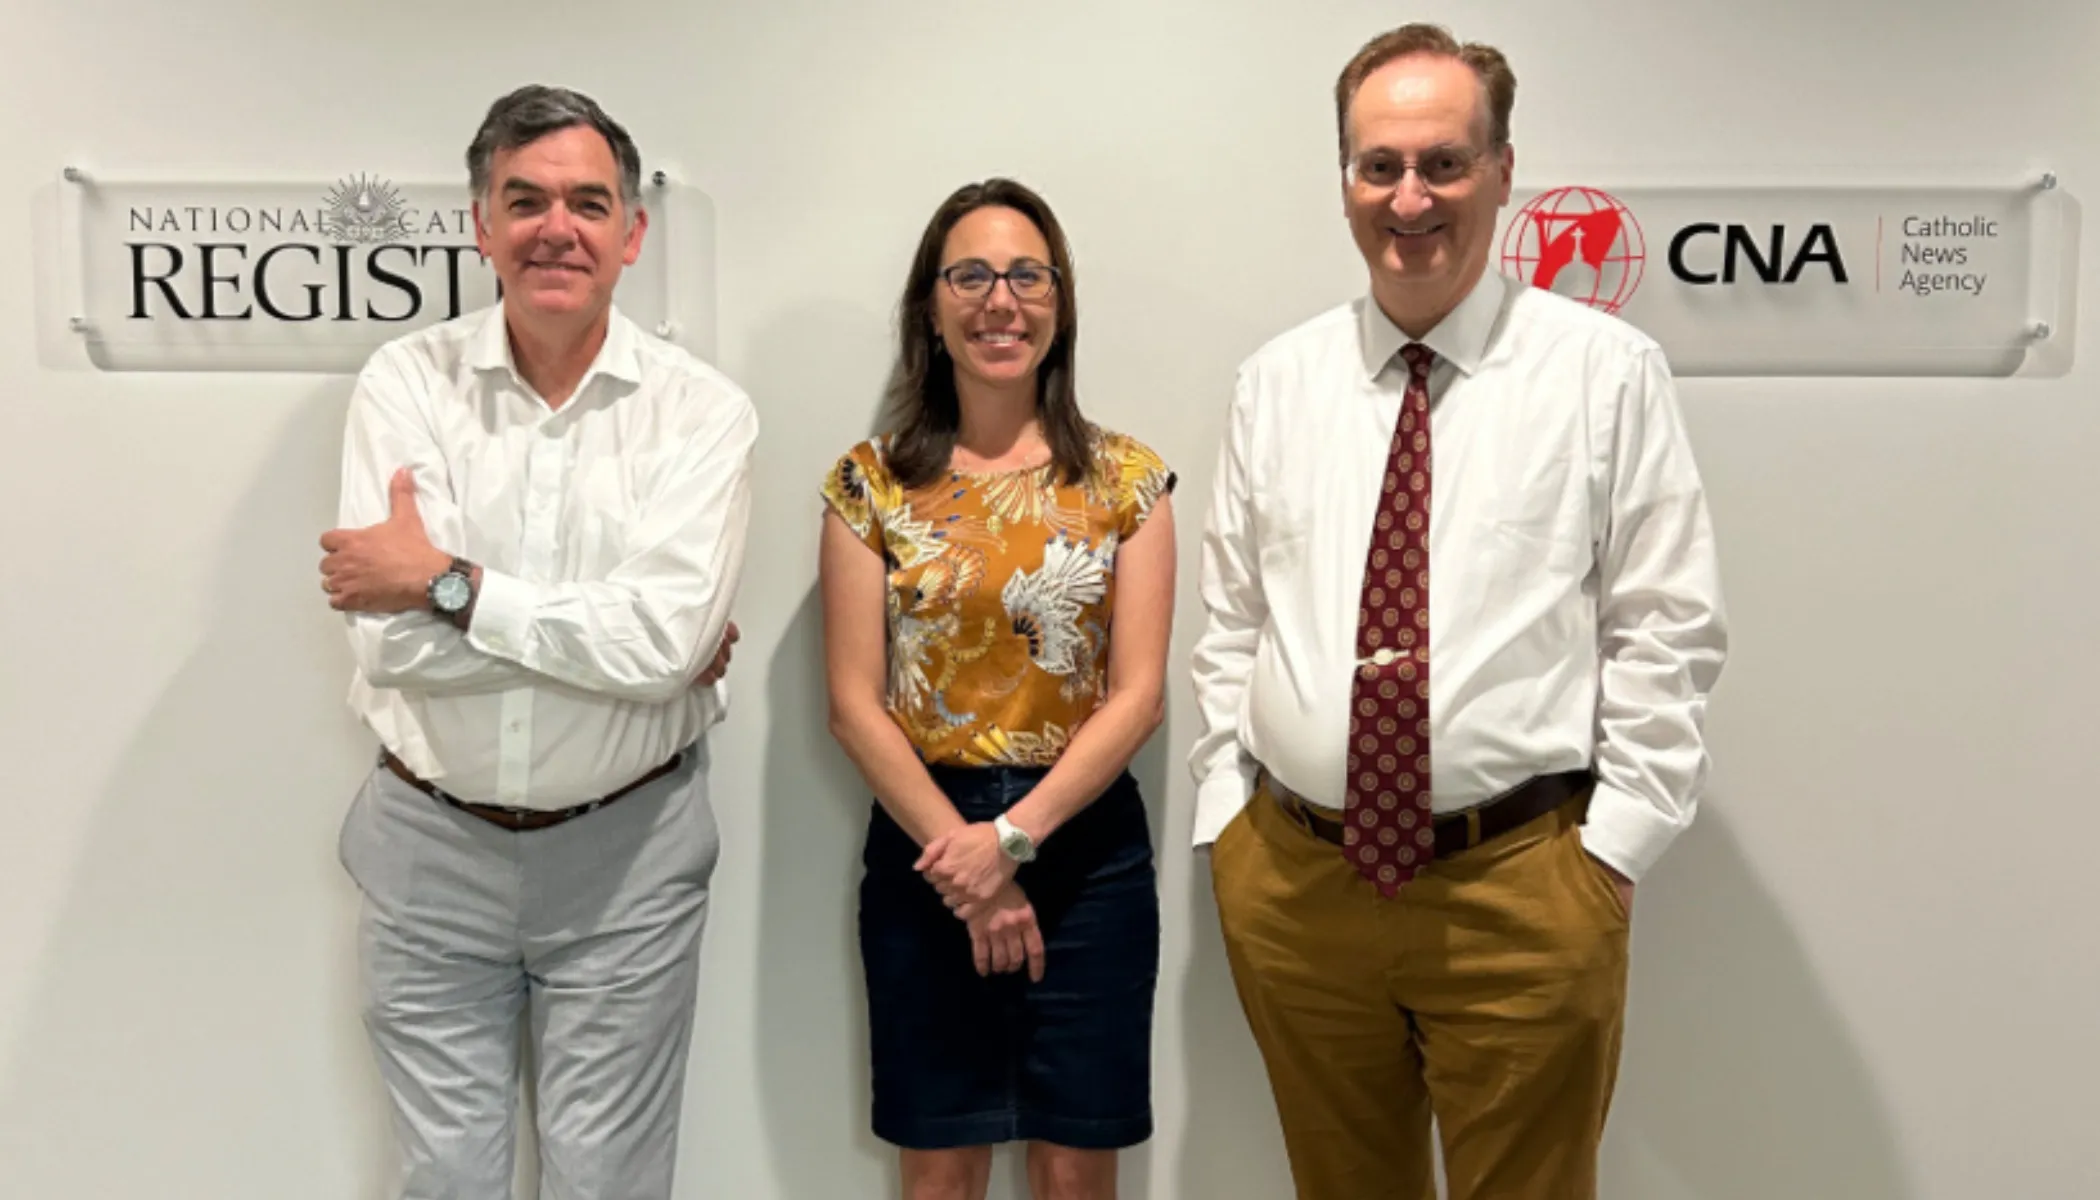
1014, 840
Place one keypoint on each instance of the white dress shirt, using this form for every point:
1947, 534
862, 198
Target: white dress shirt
1575, 614
610, 533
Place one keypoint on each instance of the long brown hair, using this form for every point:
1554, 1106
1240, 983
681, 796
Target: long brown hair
923, 410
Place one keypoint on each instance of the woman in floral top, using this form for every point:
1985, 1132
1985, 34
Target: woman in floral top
975, 562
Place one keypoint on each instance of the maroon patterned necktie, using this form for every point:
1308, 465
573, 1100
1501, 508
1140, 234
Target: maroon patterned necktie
1387, 834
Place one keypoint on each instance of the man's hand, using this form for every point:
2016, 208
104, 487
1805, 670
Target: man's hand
1618, 881
1004, 935
713, 671
384, 568
967, 867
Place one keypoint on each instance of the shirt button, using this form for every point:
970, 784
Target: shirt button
517, 726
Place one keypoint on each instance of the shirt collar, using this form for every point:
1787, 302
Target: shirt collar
620, 357
1461, 338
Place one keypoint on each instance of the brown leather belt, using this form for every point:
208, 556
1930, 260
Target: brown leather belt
1455, 832
521, 820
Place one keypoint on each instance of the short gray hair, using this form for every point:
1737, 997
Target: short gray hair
534, 111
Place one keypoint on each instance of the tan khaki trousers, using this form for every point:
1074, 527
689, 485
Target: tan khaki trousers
1489, 992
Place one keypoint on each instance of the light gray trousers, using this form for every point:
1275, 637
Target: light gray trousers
589, 931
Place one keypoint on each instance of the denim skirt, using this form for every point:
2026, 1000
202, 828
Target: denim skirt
962, 1060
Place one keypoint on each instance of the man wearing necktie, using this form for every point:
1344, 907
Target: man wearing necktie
1463, 617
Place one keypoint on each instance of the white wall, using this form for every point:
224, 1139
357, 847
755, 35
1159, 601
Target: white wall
1869, 972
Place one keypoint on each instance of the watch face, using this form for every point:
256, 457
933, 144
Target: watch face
1017, 845
450, 593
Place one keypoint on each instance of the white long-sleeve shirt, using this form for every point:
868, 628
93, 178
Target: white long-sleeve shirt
1575, 613
610, 533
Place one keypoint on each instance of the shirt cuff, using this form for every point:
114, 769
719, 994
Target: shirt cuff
502, 623
1218, 800
1626, 832
714, 704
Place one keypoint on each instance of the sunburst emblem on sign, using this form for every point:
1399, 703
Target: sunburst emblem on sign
362, 210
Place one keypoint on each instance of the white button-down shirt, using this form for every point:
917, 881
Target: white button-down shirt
1575, 613
610, 533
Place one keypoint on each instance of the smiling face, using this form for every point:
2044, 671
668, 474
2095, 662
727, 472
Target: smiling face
555, 228
998, 337
1424, 185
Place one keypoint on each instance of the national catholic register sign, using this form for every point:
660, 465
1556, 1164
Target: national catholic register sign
1810, 280
289, 276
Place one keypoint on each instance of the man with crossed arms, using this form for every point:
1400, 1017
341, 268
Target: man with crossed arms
543, 525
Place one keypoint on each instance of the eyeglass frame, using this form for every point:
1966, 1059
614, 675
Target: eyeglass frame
945, 275
1352, 171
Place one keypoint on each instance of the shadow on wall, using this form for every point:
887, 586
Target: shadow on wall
811, 1015
1233, 1145
812, 1053
1740, 1081
204, 958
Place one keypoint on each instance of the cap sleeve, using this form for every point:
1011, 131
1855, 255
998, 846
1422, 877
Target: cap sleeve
1141, 478
856, 490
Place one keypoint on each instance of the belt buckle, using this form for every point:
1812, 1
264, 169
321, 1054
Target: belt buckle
1295, 805
499, 815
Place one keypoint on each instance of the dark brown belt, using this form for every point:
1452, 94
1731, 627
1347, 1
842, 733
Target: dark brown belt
1455, 832
521, 820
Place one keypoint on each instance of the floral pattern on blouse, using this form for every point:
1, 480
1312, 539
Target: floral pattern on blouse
1001, 589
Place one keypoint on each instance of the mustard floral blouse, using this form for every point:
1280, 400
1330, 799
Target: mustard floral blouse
1001, 588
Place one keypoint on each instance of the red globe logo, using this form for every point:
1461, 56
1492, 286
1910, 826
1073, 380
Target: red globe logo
1577, 242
